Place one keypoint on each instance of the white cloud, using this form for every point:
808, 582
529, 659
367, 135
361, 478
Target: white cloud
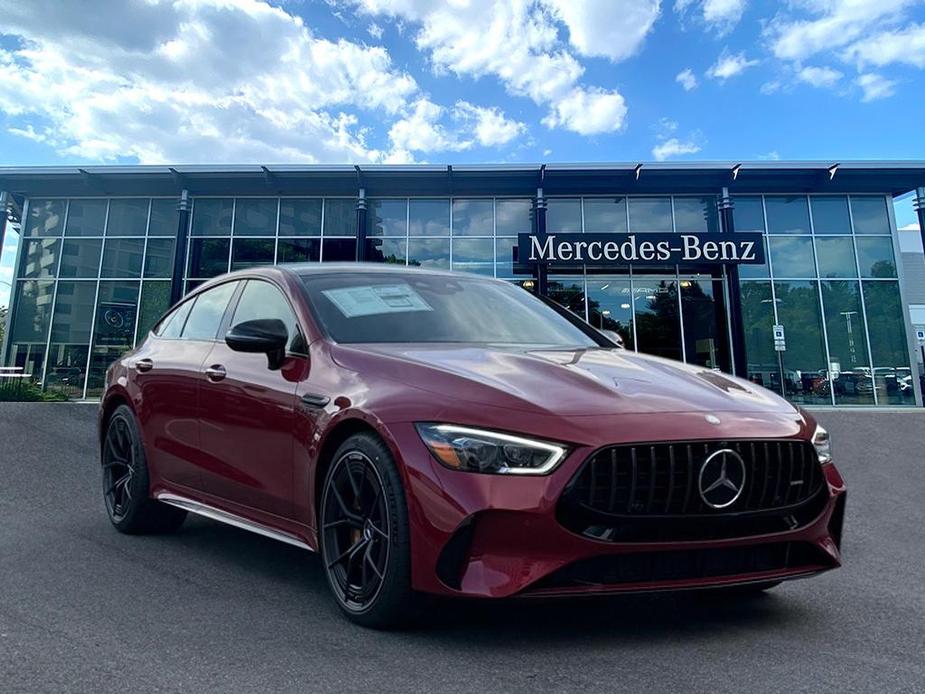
374, 30
489, 125
903, 46
874, 86
819, 76
518, 42
729, 65
911, 226
588, 111
721, 15
613, 29
421, 130
773, 155
686, 79
833, 24
673, 147
216, 80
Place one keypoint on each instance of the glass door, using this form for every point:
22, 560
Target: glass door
657, 315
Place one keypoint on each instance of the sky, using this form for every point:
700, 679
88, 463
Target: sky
455, 81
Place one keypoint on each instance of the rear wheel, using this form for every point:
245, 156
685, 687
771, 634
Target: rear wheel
125, 480
364, 534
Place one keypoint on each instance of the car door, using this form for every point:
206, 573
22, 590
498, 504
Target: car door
167, 373
248, 411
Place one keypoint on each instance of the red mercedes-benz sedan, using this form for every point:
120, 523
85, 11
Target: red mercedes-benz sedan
431, 432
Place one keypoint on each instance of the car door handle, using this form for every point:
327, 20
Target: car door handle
216, 373
144, 365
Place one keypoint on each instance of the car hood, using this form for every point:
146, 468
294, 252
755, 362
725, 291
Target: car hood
561, 381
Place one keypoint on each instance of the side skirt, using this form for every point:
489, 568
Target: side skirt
221, 516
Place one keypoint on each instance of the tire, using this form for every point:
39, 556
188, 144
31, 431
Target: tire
126, 481
365, 536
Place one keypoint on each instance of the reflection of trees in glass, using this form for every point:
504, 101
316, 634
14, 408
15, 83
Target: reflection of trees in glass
844, 322
757, 319
658, 324
883, 268
886, 323
699, 314
805, 368
571, 296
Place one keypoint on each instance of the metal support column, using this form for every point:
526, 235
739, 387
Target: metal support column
736, 326
179, 256
5, 211
919, 205
540, 271
361, 225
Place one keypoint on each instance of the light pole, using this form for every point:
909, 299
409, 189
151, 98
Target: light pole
851, 351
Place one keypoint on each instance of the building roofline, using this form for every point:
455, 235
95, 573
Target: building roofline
888, 176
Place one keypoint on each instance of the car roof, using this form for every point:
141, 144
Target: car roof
309, 269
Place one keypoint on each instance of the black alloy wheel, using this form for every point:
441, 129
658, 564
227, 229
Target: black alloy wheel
126, 481
118, 469
364, 534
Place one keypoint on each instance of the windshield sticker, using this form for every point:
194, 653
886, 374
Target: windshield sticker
376, 300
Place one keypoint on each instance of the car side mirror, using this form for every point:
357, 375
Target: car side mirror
264, 336
614, 336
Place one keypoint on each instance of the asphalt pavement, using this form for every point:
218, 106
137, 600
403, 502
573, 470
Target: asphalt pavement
216, 609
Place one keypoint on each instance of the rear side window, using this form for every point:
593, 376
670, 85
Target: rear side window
206, 316
172, 323
262, 300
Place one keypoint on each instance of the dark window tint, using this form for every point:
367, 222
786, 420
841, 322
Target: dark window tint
870, 214
260, 301
212, 217
208, 257
172, 323
45, 218
251, 252
605, 214
86, 218
255, 217
206, 316
340, 250
155, 299
340, 217
830, 214
122, 257
81, 258
748, 213
787, 214
695, 214
300, 217
159, 258
164, 217
650, 214
127, 217
299, 250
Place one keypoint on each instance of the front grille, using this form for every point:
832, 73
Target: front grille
687, 564
651, 491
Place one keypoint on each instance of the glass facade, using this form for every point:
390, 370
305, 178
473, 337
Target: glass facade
831, 282
113, 260
94, 274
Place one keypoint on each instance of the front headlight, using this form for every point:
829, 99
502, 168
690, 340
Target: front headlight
478, 450
823, 445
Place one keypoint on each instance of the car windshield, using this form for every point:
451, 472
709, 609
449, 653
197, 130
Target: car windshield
359, 307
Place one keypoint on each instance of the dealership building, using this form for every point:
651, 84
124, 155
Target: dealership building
792, 275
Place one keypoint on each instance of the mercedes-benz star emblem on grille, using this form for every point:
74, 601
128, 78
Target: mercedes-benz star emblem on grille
722, 478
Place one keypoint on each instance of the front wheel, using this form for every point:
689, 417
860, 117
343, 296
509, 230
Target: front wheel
364, 534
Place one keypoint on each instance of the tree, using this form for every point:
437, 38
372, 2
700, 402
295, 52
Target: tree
3, 312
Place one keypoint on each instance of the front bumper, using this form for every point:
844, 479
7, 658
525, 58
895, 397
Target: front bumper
498, 536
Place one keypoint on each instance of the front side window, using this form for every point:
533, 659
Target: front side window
261, 301
171, 325
207, 312
404, 307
